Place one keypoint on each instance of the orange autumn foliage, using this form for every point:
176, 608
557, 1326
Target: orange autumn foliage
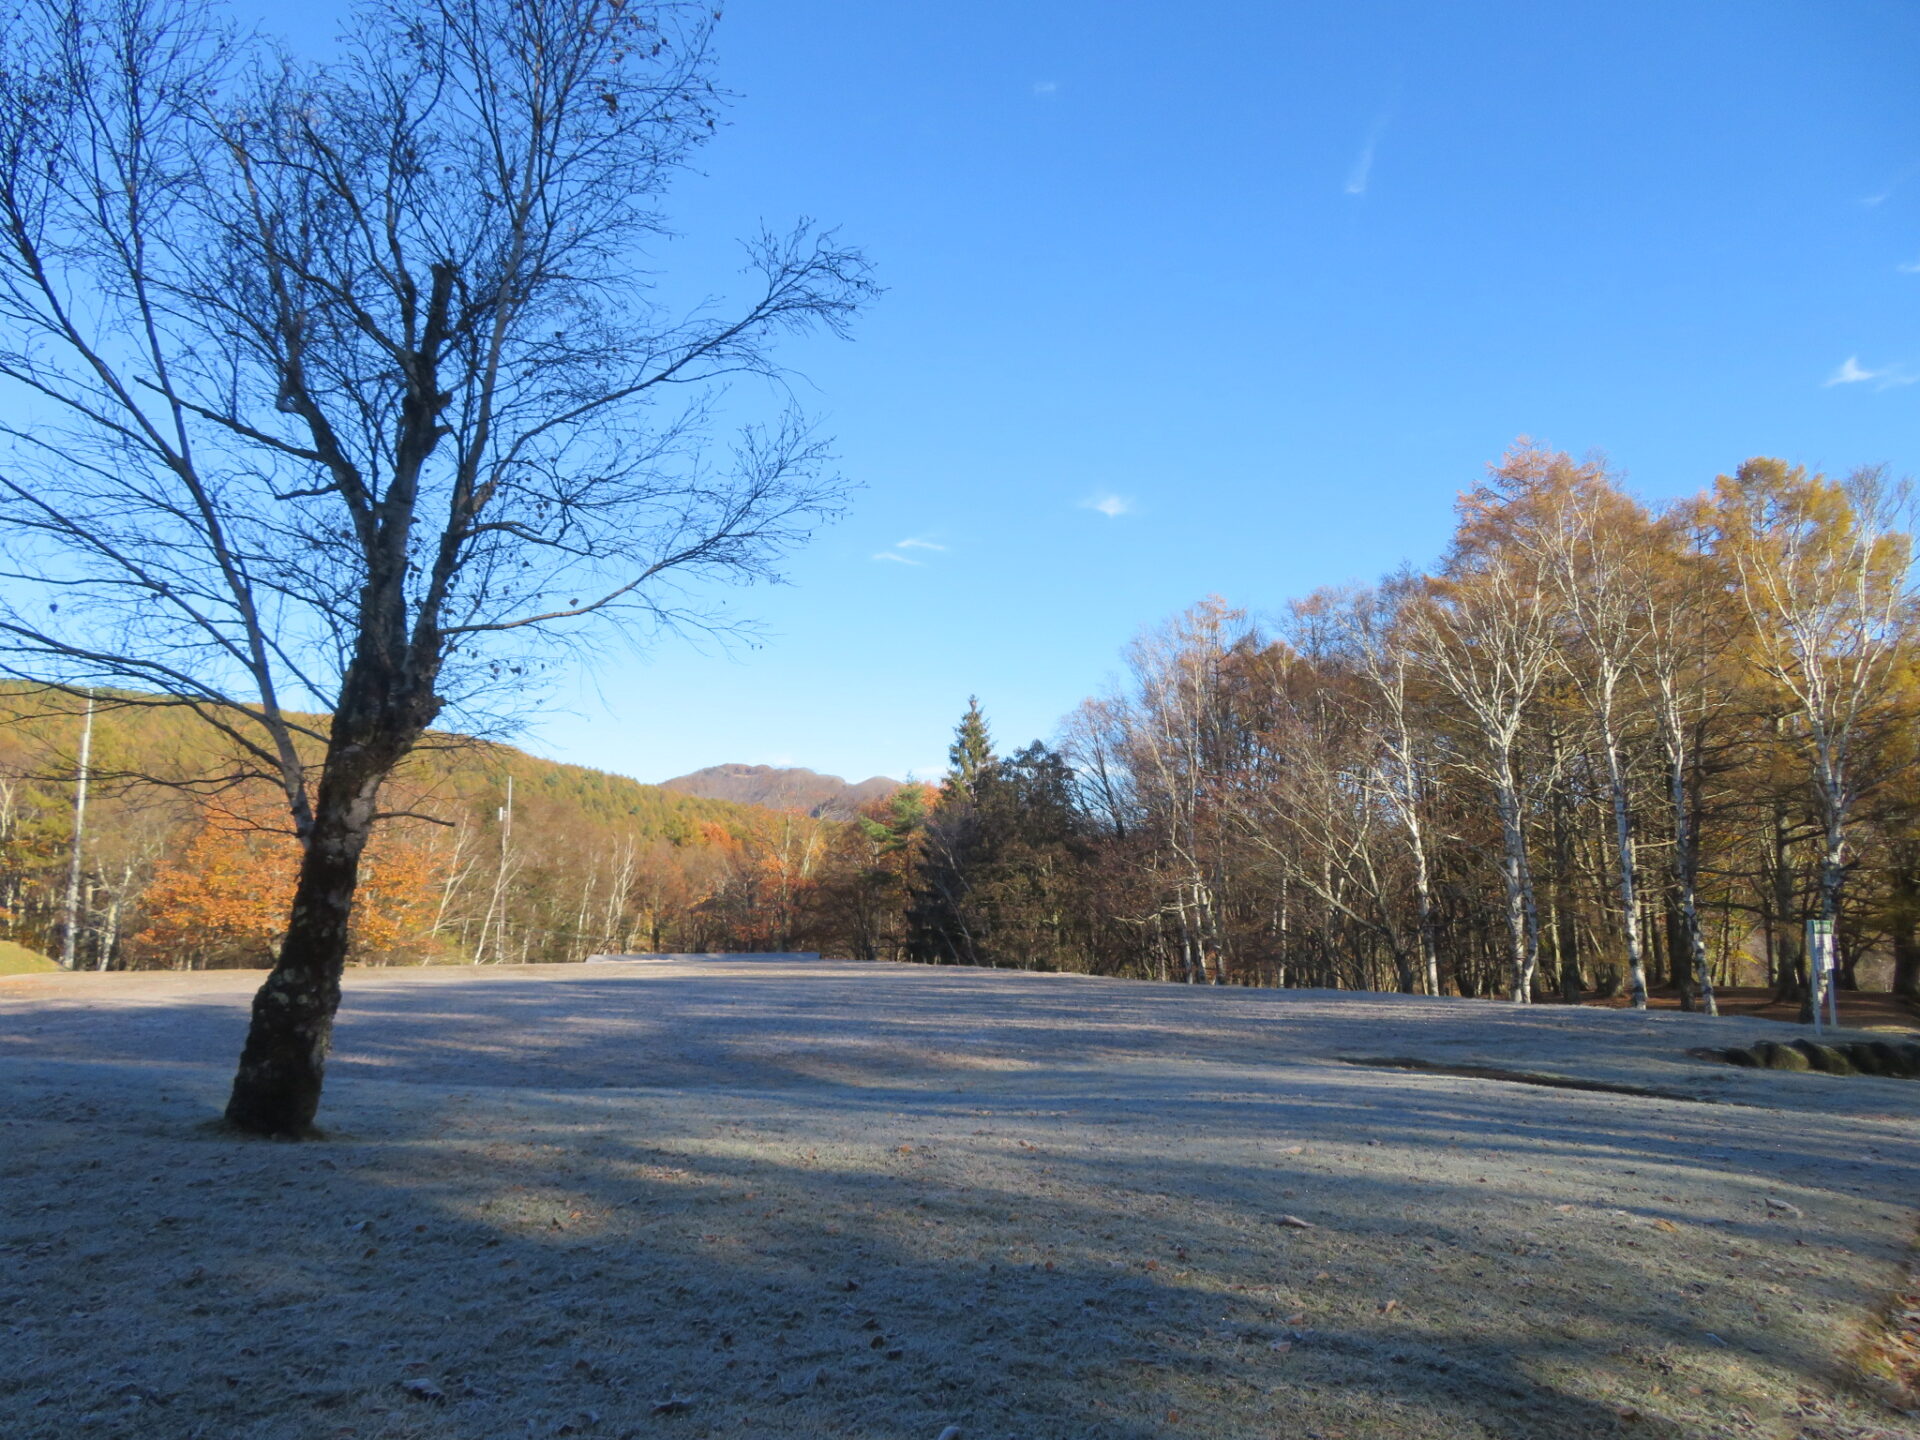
224, 899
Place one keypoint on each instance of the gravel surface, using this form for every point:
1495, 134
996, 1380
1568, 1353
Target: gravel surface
756, 1198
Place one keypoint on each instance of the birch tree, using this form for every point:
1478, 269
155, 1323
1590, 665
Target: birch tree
1595, 548
1376, 626
1483, 634
1175, 740
347, 390
1824, 572
1683, 674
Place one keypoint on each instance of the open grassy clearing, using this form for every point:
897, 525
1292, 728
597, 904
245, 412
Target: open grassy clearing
17, 959
745, 1198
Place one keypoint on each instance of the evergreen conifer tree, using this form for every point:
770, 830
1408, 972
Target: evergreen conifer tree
971, 752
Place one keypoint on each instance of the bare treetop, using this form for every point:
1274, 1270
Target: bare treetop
276, 329
337, 386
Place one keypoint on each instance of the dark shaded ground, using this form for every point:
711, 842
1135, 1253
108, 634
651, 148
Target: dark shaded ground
866, 1201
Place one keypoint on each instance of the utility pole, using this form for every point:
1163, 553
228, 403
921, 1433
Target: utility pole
67, 943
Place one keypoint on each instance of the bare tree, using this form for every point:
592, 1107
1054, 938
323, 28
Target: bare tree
1484, 635
1595, 548
1399, 776
1688, 630
1173, 756
343, 391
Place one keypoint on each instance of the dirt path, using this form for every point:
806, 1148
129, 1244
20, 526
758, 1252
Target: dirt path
743, 1199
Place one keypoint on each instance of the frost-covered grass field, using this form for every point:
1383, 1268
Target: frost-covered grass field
772, 1198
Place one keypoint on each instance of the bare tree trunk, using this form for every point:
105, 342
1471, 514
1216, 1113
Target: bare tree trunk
1789, 961
1906, 960
1560, 902
1423, 909
110, 937
1523, 927
1623, 841
459, 865
619, 892
1686, 869
68, 941
1834, 804
1906, 926
494, 926
580, 942
277, 1088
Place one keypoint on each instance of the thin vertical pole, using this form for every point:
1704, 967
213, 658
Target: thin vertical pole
69, 940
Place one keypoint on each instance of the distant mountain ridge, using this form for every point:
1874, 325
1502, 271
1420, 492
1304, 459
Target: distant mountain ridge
783, 788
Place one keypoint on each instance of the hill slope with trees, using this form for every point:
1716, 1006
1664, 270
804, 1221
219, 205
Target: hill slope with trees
784, 788
185, 863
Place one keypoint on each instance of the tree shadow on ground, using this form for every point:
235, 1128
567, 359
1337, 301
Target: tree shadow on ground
494, 1243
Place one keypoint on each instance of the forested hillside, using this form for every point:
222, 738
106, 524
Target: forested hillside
182, 864
784, 788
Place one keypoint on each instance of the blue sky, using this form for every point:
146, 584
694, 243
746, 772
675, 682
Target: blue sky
1237, 298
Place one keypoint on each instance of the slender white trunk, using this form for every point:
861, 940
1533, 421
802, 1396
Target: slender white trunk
494, 927
1685, 864
1523, 927
69, 941
1623, 843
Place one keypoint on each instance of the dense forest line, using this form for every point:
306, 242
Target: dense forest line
187, 860
1599, 748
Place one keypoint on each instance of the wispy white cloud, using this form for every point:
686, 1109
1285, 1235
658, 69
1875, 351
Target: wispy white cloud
1852, 372
1886, 192
1111, 506
897, 552
1360, 173
1912, 267
1046, 87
